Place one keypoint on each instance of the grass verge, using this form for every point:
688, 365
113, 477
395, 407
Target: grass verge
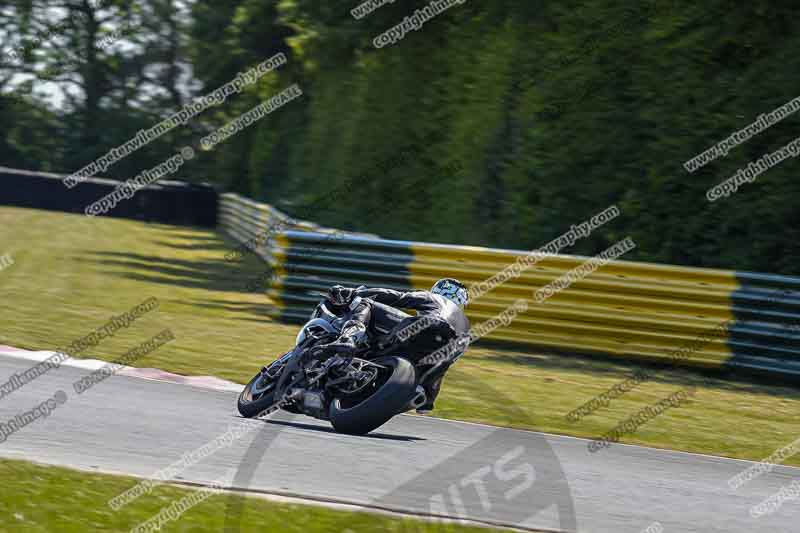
44, 499
72, 273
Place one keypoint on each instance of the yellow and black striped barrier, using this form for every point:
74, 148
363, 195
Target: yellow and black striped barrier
661, 313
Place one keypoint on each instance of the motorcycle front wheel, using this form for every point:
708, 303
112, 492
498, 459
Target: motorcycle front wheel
258, 395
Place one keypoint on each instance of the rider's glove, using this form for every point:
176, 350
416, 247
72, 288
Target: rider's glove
343, 345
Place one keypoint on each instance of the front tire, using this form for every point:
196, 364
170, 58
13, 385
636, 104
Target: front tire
389, 399
256, 396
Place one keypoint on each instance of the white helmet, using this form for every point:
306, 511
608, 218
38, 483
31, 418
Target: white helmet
453, 290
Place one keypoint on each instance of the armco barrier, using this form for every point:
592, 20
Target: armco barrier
721, 319
255, 225
251, 223
169, 202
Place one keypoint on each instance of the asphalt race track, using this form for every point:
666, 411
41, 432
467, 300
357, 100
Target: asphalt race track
413, 464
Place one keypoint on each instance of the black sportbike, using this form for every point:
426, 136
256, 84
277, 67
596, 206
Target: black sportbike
357, 395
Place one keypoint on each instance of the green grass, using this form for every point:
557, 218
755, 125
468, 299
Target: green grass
730, 419
46, 499
71, 273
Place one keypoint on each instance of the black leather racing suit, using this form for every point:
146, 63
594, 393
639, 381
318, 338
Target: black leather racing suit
376, 316
438, 319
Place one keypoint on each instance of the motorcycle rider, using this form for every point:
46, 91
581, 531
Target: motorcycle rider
376, 316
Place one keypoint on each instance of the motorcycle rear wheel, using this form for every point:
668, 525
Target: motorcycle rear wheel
390, 395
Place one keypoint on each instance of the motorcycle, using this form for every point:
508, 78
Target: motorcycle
356, 395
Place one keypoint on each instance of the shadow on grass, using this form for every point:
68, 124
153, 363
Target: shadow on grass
204, 244
237, 307
200, 235
209, 274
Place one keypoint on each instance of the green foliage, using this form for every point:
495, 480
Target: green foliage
550, 112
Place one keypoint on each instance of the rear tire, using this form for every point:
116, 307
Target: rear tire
390, 399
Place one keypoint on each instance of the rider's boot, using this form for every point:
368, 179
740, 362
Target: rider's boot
431, 381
